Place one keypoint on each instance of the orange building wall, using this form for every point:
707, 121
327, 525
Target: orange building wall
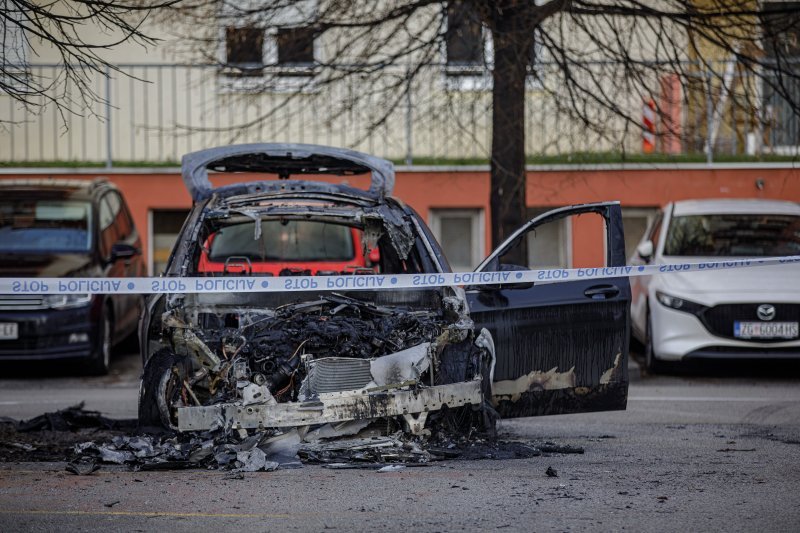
426, 189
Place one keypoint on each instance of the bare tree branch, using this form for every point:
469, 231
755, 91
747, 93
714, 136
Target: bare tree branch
77, 31
589, 64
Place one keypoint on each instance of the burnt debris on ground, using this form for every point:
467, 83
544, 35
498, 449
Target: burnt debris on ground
88, 440
51, 436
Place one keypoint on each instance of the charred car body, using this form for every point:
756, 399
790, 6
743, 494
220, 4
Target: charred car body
392, 357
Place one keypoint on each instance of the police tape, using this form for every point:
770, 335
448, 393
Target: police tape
239, 284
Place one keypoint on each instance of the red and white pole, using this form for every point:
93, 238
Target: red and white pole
649, 127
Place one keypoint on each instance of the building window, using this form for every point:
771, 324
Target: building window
165, 226
295, 46
14, 61
275, 59
244, 49
549, 245
461, 235
465, 50
635, 221
781, 36
468, 52
535, 68
464, 37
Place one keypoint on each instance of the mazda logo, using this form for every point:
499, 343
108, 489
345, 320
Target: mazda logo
766, 312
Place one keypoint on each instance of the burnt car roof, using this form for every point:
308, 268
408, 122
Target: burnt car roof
75, 189
285, 159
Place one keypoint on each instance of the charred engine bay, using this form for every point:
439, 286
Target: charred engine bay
275, 348
243, 362
87, 440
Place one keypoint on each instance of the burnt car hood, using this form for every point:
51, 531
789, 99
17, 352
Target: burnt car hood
285, 159
45, 265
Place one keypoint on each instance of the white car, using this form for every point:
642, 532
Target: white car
738, 313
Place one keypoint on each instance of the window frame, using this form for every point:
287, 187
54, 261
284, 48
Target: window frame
769, 98
244, 68
269, 75
478, 223
16, 47
565, 246
478, 77
650, 214
295, 64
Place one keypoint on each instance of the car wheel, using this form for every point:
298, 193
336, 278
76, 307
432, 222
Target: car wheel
651, 364
100, 359
161, 384
635, 345
489, 416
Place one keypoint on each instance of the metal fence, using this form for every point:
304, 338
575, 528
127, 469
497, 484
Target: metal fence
154, 113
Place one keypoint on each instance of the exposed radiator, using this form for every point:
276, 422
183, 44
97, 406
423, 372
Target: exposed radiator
334, 374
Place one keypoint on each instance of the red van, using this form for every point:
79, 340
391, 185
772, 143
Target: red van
290, 247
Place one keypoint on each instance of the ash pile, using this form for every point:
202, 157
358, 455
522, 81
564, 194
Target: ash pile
347, 446
60, 436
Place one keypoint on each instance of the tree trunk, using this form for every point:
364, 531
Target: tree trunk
508, 180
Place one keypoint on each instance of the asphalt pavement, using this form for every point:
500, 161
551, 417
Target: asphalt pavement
716, 451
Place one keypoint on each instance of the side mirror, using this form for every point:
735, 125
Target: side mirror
374, 256
122, 250
645, 250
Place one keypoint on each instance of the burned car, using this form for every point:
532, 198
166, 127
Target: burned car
353, 351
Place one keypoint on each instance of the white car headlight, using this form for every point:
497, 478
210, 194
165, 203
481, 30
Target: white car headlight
673, 302
670, 301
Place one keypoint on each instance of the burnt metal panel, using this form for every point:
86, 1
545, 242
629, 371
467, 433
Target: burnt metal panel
537, 402
610, 211
560, 347
332, 408
554, 336
284, 159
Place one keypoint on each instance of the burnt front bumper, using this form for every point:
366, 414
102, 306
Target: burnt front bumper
413, 404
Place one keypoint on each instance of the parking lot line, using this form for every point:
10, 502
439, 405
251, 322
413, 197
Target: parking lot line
144, 514
706, 399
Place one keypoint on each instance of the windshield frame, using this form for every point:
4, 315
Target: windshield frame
247, 227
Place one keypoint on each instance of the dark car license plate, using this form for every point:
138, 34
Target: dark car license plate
9, 331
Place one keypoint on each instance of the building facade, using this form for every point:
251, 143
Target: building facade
454, 201
257, 79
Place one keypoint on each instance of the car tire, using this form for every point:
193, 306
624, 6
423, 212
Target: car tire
100, 359
635, 345
651, 363
161, 382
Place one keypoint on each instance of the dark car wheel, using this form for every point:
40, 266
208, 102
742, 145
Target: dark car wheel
161, 384
651, 364
489, 416
100, 359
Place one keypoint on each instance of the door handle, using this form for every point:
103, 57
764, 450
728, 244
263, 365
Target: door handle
601, 292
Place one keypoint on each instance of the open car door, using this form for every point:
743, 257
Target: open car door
562, 347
